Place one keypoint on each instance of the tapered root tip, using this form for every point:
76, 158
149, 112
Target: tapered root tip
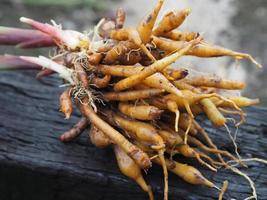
19, 46
29, 59
204, 181
209, 183
249, 57
217, 188
65, 138
24, 19
39, 75
67, 116
62, 138
187, 11
255, 101
25, 58
254, 61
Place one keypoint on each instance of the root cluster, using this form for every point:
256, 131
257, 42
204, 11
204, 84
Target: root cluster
122, 81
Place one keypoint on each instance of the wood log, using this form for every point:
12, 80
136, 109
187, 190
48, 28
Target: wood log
34, 164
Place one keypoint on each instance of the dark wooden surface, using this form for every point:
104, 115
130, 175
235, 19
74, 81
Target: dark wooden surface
34, 164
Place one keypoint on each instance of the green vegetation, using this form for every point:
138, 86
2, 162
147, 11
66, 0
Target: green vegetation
96, 4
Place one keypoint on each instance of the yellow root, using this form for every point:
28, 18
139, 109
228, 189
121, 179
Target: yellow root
165, 172
242, 115
204, 163
147, 52
177, 116
172, 106
150, 193
213, 150
214, 163
249, 57
187, 130
238, 112
161, 150
223, 190
187, 108
154, 157
208, 140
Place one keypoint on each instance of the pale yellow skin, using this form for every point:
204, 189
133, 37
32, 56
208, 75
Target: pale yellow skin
213, 113
186, 151
122, 34
167, 45
206, 105
239, 101
198, 143
146, 133
215, 82
203, 49
170, 21
146, 25
182, 85
186, 172
132, 95
207, 50
157, 80
128, 70
66, 103
139, 130
183, 118
98, 138
191, 97
184, 123
181, 36
170, 139
157, 66
117, 70
130, 169
141, 112
223, 190
140, 157
125, 163
132, 36
121, 48
129, 34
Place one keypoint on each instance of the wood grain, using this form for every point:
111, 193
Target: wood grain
34, 164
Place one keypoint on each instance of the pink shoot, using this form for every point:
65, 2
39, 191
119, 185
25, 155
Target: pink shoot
36, 43
24, 38
10, 62
69, 38
44, 72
